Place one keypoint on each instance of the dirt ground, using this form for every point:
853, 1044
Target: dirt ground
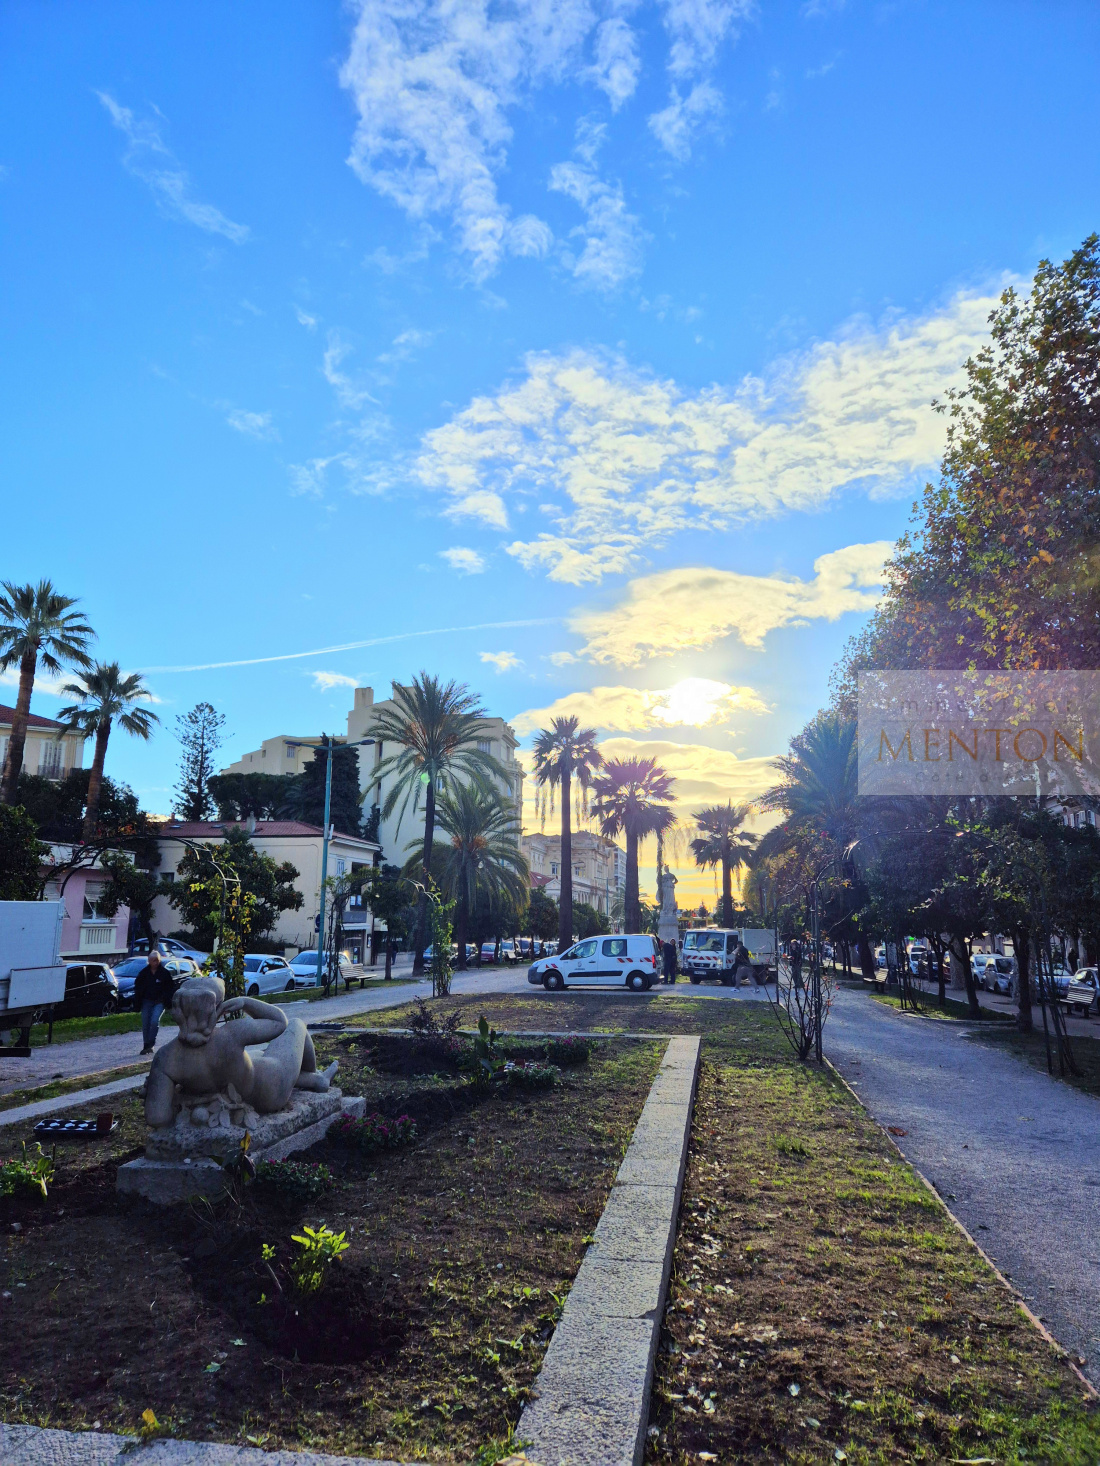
433, 1324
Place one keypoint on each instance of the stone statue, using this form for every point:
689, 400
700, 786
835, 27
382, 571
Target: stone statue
208, 1071
668, 926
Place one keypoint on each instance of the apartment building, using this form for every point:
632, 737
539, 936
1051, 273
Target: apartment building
288, 754
44, 752
599, 867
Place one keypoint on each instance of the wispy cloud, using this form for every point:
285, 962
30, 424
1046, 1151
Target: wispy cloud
148, 158
460, 557
326, 681
676, 125
698, 29
617, 64
618, 460
502, 661
611, 236
694, 606
253, 424
305, 319
348, 392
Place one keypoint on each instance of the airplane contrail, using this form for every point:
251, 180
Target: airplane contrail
351, 646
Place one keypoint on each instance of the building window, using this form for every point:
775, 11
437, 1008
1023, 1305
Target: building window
485, 745
52, 759
553, 868
91, 910
341, 867
290, 753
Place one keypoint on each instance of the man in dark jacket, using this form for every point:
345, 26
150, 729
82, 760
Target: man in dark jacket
153, 989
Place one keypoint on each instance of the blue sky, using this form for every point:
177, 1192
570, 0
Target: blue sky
328, 324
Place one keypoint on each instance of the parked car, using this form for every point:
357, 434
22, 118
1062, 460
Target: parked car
90, 991
621, 961
304, 968
126, 972
266, 974
1083, 993
170, 947
1000, 975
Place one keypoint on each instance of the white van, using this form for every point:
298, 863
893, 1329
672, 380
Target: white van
611, 961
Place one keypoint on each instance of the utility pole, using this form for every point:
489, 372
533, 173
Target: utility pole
324, 866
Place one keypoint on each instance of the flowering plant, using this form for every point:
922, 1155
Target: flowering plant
374, 1132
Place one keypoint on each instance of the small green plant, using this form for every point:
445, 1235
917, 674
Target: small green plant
531, 1076
318, 1250
296, 1180
30, 1172
486, 1065
789, 1145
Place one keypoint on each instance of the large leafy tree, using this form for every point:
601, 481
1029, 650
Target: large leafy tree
390, 896
632, 799
261, 796
724, 843
305, 797
57, 806
37, 625
435, 726
106, 696
1002, 570
200, 736
564, 754
481, 855
21, 855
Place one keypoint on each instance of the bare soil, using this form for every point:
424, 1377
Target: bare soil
426, 1338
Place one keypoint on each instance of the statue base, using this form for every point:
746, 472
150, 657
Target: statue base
188, 1159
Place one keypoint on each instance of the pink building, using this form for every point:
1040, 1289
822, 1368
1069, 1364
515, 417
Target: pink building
84, 932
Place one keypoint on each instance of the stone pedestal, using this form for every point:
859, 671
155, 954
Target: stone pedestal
188, 1159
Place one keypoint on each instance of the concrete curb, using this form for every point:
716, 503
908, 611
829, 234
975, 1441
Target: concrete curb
27, 1445
590, 1403
18, 1113
1032, 1318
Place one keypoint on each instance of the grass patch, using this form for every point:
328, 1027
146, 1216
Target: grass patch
1031, 1048
463, 1246
931, 1008
58, 1087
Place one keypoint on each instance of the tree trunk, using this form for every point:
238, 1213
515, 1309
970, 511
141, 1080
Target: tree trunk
960, 948
1021, 945
13, 761
95, 780
389, 959
866, 957
727, 885
420, 941
631, 903
565, 905
461, 922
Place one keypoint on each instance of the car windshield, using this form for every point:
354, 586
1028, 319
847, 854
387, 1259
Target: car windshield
252, 964
704, 942
130, 968
305, 959
1004, 964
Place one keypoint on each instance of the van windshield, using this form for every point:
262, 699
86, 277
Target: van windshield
704, 942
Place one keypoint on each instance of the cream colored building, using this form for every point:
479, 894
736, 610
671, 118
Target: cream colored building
282, 840
287, 754
599, 867
43, 752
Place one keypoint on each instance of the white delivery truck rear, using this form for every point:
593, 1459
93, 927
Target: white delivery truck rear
32, 975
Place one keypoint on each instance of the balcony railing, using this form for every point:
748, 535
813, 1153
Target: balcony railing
97, 936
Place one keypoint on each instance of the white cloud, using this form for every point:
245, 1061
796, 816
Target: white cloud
304, 319
695, 702
611, 235
43, 684
703, 775
617, 65
326, 681
675, 126
348, 393
149, 159
309, 478
694, 606
253, 424
502, 661
460, 557
624, 459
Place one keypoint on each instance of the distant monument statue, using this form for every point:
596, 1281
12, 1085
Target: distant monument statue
668, 924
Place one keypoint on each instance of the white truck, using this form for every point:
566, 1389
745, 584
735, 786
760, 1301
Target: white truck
32, 975
708, 952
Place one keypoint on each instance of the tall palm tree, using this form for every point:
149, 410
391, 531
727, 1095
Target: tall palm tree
36, 624
723, 842
632, 797
563, 752
106, 695
436, 727
483, 853
820, 779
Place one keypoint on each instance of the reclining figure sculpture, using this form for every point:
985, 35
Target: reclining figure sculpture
212, 1058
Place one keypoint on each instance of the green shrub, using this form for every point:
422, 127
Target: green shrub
374, 1132
296, 1180
31, 1172
565, 1052
317, 1251
531, 1076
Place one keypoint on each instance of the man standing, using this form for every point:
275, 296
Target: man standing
152, 994
668, 961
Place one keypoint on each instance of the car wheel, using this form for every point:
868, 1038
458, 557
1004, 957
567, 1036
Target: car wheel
110, 1005
694, 977
554, 982
289, 987
254, 990
636, 982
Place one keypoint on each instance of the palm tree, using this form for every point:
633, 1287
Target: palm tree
105, 695
36, 624
564, 752
820, 779
631, 799
724, 843
436, 727
483, 853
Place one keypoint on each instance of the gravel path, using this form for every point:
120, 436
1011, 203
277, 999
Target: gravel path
1014, 1153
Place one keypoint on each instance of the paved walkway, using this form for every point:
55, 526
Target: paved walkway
1014, 1153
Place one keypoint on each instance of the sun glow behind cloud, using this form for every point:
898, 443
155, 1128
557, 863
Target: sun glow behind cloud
693, 702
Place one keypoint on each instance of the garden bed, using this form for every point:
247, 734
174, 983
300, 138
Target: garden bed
431, 1327
810, 1255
